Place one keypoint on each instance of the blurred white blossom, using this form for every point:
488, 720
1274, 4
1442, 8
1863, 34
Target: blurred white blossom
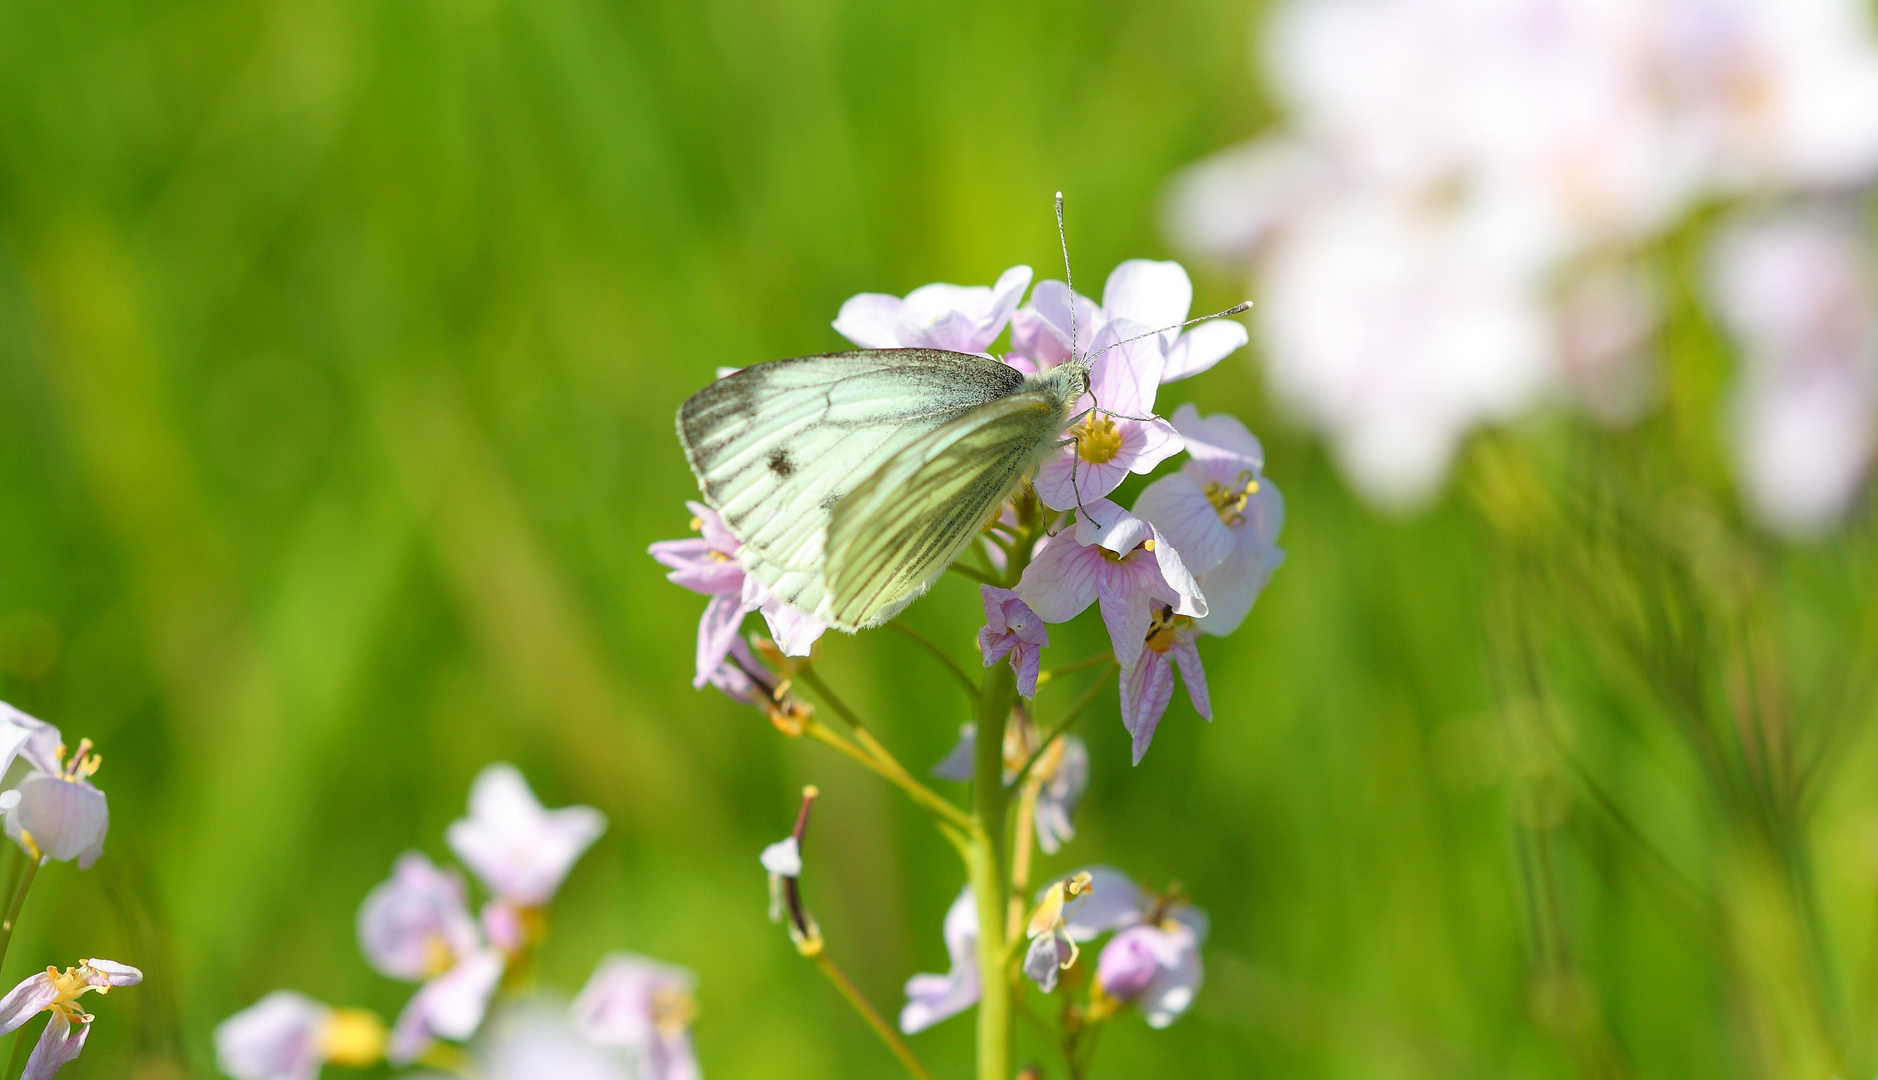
519, 849
289, 1036
1440, 231
1796, 288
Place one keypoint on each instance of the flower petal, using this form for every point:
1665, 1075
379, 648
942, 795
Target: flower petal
783, 857
26, 1000
616, 1006
1154, 294
1178, 508
932, 998
1185, 654
871, 320
67, 818
1060, 583
58, 1045
1147, 688
717, 628
1203, 346
519, 849
957, 764
1112, 902
276, 1038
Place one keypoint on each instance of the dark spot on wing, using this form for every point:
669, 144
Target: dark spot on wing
780, 464
833, 498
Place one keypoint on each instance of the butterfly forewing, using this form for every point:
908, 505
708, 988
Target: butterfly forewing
778, 446
900, 528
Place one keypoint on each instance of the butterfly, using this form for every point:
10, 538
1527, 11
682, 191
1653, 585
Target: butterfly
853, 479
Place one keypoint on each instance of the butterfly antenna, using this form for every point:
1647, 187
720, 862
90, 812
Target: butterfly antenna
1243, 305
1063, 240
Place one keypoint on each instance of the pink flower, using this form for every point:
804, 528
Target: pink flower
1221, 513
521, 850
416, 926
1012, 629
58, 992
1796, 289
1119, 561
1119, 434
288, 1036
932, 998
956, 318
1150, 294
644, 1007
1154, 959
1157, 966
709, 564
1148, 683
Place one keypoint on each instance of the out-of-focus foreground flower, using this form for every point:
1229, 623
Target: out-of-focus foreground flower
1434, 229
289, 1036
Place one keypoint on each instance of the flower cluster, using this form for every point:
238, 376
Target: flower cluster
1152, 961
1475, 180
1187, 559
472, 969
54, 813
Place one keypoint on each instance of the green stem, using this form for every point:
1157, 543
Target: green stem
1071, 668
976, 575
951, 665
868, 1013
19, 1052
19, 901
986, 866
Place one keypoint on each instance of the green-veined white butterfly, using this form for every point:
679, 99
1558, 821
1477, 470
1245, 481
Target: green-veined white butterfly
854, 478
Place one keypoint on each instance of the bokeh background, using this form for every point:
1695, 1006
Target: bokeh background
339, 345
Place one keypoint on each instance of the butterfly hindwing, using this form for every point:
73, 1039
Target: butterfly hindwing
778, 446
897, 531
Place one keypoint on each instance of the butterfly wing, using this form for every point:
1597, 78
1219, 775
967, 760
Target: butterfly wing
776, 447
900, 528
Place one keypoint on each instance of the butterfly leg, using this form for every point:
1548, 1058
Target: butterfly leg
1075, 461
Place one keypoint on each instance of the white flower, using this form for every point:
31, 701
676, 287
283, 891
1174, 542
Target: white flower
55, 810
1780, 93
1797, 290
417, 927
535, 1041
932, 998
288, 1036
58, 992
957, 318
645, 1007
1453, 332
520, 850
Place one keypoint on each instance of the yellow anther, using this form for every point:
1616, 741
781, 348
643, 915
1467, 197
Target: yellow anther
1148, 544
354, 1038
1097, 441
673, 1010
1163, 630
1229, 499
438, 956
697, 524
1049, 913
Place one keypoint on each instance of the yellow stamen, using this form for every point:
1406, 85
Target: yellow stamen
1163, 630
697, 524
1229, 499
438, 957
673, 1010
354, 1038
1097, 441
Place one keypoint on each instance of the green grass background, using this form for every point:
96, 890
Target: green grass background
339, 345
